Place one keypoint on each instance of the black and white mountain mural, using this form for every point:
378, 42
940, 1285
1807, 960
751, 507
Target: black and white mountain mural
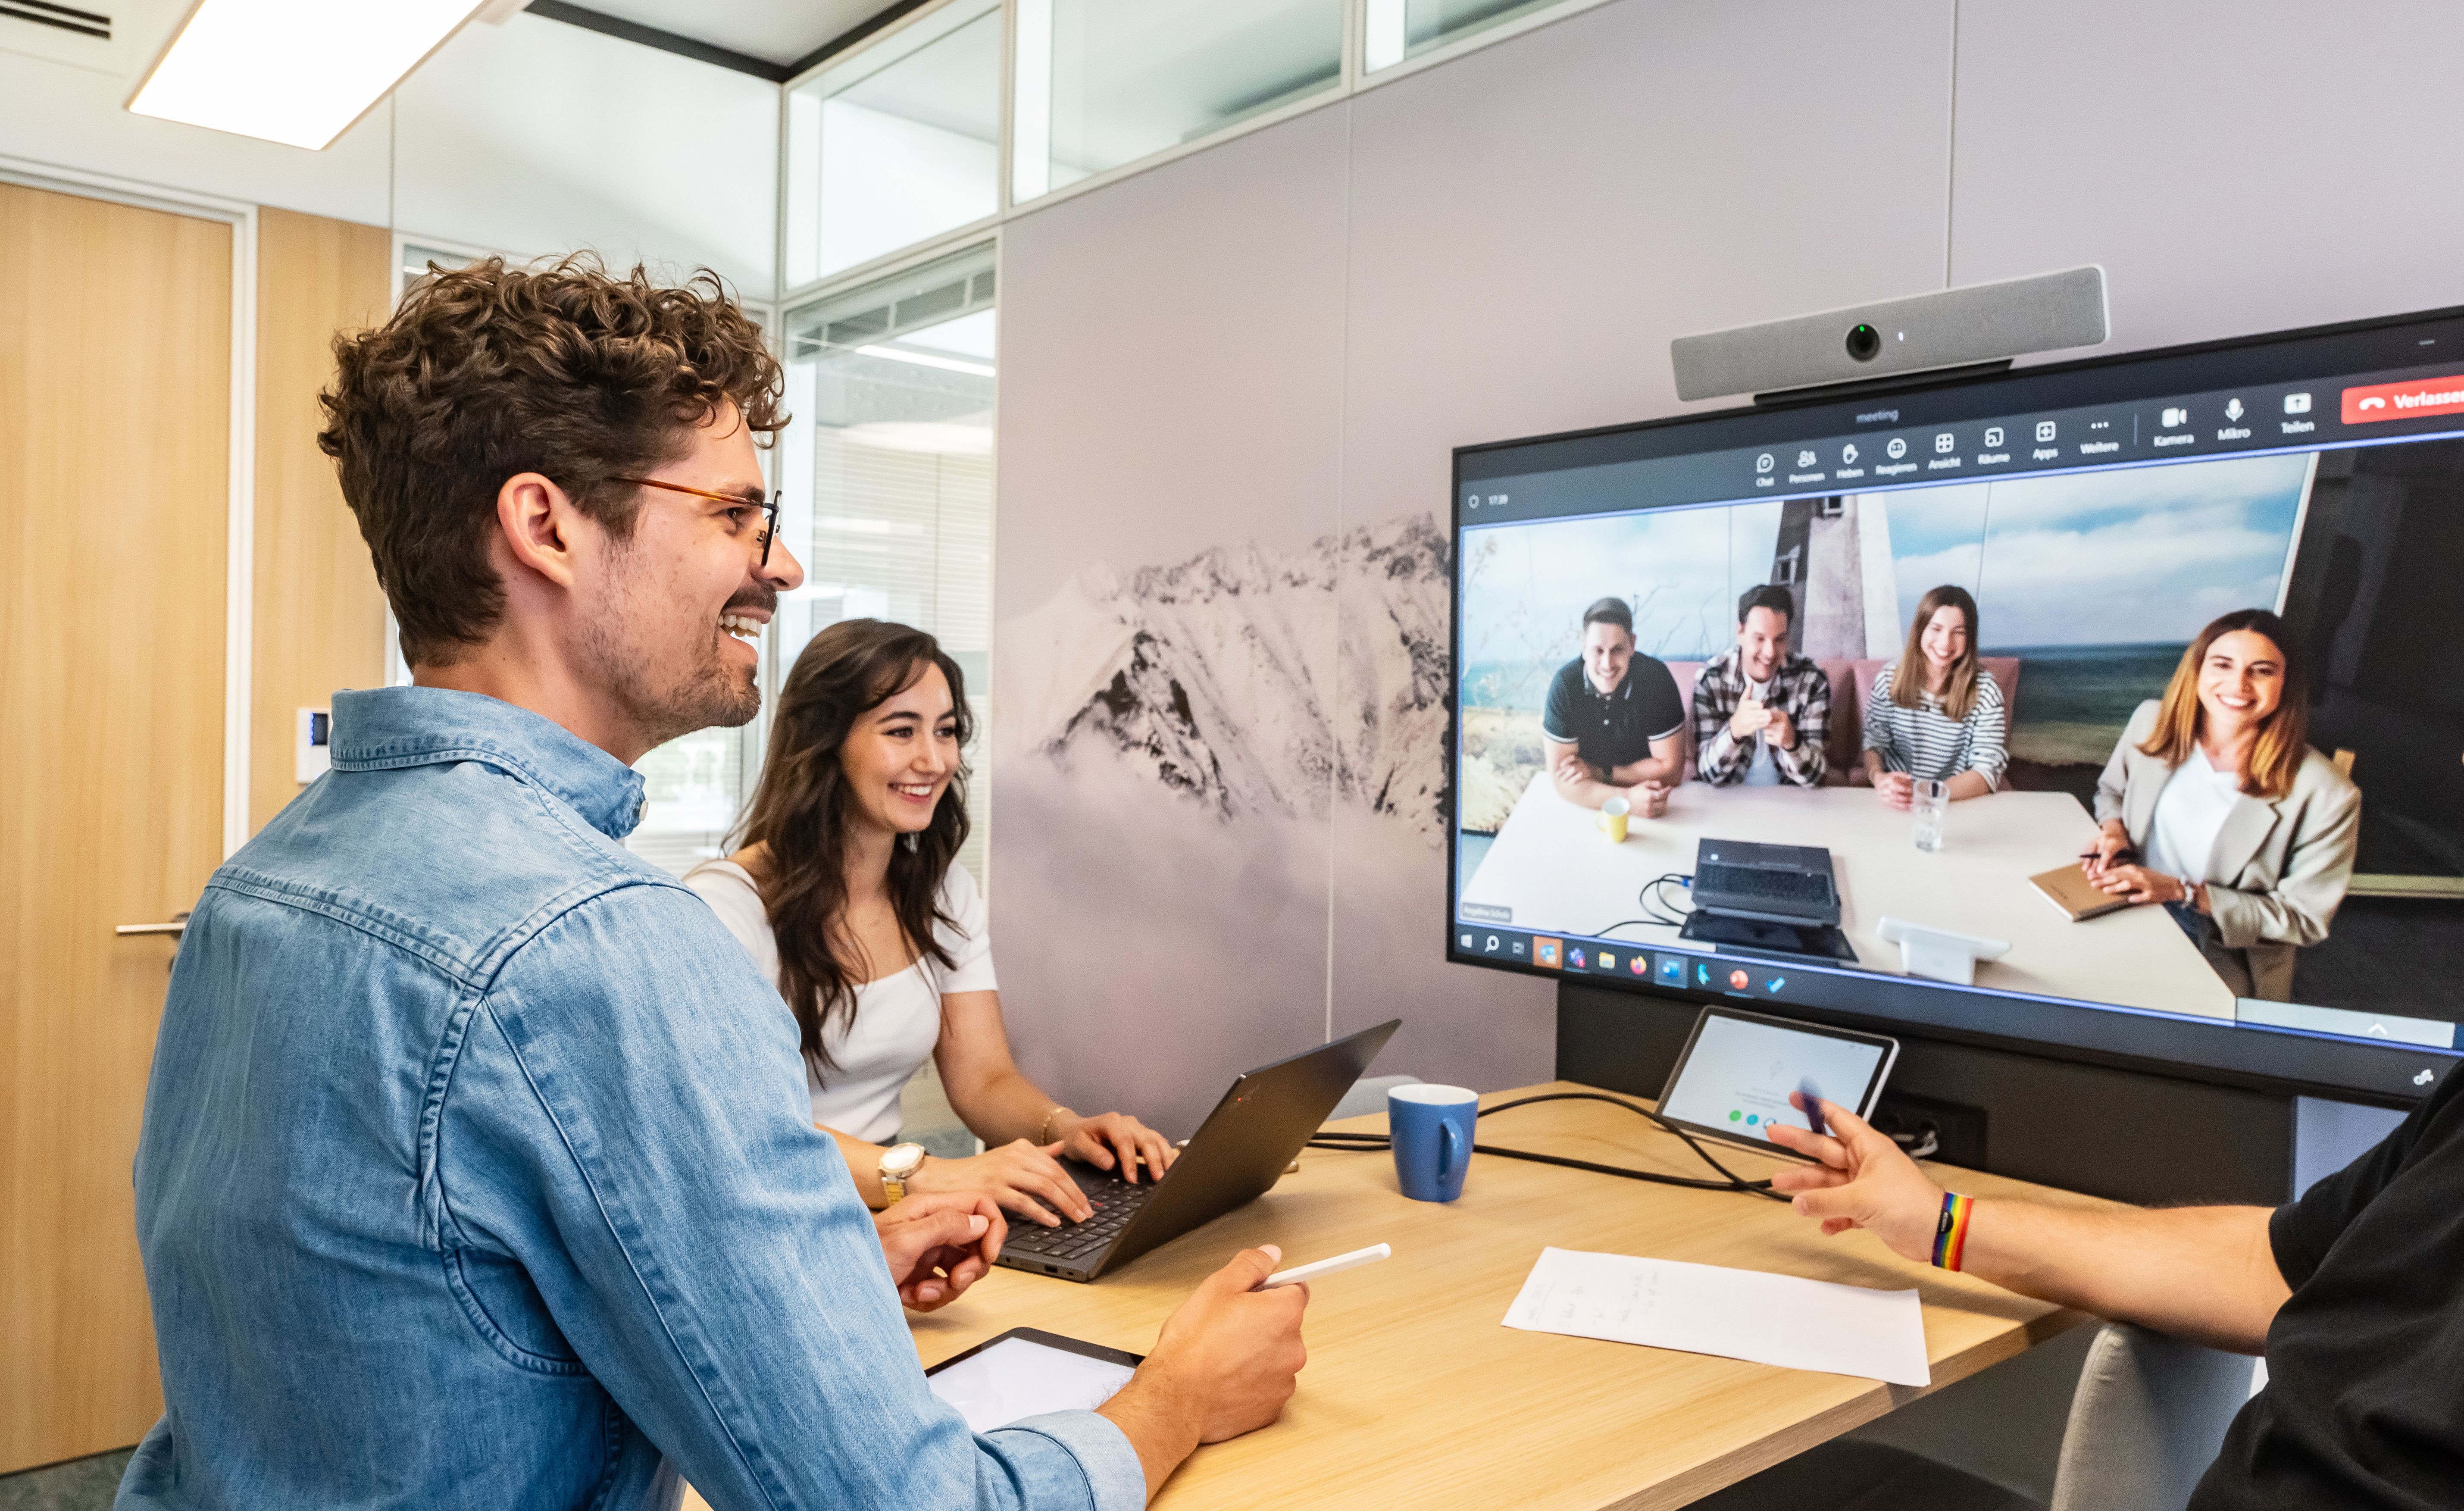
1224, 681
1218, 803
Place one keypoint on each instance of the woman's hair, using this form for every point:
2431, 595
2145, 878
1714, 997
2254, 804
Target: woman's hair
801, 810
2284, 740
1907, 681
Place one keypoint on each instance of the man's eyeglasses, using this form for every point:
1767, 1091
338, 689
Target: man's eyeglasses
768, 504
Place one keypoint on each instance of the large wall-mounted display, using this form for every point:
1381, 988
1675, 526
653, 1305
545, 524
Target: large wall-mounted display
2129, 590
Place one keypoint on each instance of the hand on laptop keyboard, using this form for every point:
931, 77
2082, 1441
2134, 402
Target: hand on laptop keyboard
1115, 1205
1112, 1141
1023, 1178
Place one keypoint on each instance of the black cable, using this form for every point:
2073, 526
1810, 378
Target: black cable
1655, 908
1732, 1181
1652, 900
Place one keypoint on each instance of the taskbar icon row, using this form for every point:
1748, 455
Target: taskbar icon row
1667, 967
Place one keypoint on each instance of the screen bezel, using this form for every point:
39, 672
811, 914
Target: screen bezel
2259, 1057
1049, 1339
1863, 1109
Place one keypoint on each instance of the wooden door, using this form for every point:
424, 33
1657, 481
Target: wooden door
115, 392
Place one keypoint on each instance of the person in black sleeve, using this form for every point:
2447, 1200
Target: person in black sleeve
2354, 1292
1615, 725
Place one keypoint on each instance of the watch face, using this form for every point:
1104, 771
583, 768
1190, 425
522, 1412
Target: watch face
902, 1160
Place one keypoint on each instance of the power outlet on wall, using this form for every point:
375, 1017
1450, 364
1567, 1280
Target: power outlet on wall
313, 751
1955, 1130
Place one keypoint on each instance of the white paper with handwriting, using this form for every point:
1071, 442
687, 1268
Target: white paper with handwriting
1737, 1314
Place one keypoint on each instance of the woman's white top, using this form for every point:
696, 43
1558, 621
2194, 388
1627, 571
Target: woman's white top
2189, 814
897, 1019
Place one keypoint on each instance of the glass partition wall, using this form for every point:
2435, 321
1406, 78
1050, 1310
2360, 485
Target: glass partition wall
901, 140
904, 154
1394, 29
1104, 82
896, 145
887, 473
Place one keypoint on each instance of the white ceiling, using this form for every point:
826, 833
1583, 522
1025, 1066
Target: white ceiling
774, 30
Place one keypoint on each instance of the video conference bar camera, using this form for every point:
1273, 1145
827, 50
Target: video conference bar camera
1954, 334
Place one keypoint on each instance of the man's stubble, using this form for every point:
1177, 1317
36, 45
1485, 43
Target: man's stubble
664, 697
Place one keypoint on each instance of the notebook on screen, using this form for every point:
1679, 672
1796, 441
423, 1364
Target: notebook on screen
2068, 888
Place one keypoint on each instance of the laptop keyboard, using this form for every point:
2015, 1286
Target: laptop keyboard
1115, 1203
1748, 881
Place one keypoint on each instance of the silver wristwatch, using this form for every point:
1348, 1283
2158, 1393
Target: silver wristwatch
899, 1164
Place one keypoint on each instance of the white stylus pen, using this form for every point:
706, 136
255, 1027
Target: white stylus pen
1309, 1272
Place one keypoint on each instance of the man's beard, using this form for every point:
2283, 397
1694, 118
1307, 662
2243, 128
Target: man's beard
664, 702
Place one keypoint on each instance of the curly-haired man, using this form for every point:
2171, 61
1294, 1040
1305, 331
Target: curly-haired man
477, 1166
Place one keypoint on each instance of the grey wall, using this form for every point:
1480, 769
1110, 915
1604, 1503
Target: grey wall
2269, 165
1172, 383
1275, 343
1528, 227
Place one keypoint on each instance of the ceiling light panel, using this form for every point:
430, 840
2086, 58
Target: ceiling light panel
297, 71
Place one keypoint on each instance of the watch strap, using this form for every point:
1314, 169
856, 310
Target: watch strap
894, 1186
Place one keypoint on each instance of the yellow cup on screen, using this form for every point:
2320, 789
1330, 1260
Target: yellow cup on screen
1613, 814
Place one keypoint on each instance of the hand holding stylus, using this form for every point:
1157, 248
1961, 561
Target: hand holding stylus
1301, 1273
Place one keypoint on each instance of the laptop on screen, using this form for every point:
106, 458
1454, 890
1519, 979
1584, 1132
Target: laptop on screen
1781, 883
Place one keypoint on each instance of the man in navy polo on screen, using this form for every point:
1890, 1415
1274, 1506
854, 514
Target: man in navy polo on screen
1613, 722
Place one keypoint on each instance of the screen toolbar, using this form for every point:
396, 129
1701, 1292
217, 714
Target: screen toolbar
1876, 451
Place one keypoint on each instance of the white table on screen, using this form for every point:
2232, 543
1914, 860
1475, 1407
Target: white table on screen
1559, 874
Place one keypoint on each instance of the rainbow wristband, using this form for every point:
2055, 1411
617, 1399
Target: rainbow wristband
1950, 1229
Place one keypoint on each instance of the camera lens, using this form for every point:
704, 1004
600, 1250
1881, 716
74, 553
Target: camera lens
1864, 342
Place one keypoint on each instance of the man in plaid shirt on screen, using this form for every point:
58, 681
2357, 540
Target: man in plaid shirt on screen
1760, 714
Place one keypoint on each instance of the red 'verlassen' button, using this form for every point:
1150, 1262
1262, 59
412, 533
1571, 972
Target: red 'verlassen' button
2404, 401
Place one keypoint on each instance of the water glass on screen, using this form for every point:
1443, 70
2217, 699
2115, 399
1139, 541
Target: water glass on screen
1928, 804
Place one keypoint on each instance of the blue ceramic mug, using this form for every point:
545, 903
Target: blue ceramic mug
1430, 1128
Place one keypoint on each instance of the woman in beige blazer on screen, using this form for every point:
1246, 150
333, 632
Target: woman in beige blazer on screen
2216, 806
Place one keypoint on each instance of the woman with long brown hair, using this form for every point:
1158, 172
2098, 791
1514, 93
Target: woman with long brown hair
1934, 714
848, 896
2216, 806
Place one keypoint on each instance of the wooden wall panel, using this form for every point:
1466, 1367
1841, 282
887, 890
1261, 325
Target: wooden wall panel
115, 446
320, 617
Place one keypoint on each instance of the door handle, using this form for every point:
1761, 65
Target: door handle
177, 924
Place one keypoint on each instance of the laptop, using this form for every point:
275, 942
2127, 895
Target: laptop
1780, 884
1241, 1150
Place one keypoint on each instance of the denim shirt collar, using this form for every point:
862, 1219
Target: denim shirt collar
389, 728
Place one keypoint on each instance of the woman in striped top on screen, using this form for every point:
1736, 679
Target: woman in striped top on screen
1934, 712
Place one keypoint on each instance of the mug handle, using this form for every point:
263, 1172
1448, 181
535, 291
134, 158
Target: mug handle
1449, 1141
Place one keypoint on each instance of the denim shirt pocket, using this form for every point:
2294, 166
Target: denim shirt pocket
508, 1311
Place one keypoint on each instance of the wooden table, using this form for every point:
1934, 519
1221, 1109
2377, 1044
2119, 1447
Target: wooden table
1416, 1393
1559, 874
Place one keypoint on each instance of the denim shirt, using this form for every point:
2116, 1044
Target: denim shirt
478, 1170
